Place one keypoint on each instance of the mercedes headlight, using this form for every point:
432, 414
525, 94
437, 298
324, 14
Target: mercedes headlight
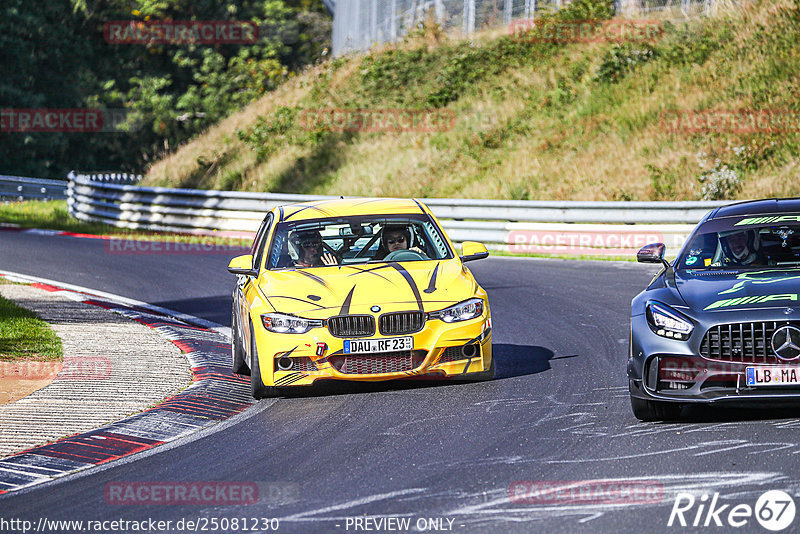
463, 311
288, 324
666, 322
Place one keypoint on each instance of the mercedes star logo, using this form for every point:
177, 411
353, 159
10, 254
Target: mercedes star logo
786, 342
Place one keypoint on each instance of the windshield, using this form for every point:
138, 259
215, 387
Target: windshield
738, 244
354, 240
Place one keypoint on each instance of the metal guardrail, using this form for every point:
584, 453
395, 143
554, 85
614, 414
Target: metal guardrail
522, 225
21, 188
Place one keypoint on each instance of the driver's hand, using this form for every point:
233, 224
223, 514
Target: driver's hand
329, 259
418, 250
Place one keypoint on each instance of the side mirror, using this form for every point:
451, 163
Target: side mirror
472, 250
242, 265
652, 253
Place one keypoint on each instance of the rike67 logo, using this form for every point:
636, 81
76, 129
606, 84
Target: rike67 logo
774, 510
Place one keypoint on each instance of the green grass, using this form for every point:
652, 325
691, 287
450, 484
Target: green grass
545, 121
53, 215
23, 336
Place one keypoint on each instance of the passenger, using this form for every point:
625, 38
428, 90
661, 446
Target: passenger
397, 237
309, 246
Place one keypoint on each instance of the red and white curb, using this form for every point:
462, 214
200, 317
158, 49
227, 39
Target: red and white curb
216, 394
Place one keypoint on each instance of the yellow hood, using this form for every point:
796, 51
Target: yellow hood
322, 292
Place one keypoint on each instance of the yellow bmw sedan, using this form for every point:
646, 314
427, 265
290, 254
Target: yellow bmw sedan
357, 289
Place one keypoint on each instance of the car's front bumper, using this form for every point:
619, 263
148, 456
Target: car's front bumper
669, 370
437, 354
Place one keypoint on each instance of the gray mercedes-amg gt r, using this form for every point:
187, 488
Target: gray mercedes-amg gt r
722, 322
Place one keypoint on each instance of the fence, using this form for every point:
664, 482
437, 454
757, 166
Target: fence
566, 227
19, 188
359, 24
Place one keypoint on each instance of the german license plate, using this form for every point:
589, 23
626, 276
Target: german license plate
365, 346
774, 375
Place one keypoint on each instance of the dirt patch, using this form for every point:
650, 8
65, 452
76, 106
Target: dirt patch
19, 379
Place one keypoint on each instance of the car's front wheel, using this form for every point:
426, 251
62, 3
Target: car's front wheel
258, 389
648, 410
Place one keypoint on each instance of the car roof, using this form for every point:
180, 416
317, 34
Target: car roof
757, 207
345, 207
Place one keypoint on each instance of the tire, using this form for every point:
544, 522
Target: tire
257, 387
237, 352
647, 410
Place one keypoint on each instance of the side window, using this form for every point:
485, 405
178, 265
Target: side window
261, 240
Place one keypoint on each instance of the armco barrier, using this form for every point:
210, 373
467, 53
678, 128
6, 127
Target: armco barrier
20, 188
566, 227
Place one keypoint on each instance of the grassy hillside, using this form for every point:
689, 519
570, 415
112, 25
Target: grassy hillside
533, 120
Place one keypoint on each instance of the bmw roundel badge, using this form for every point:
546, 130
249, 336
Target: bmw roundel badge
375, 309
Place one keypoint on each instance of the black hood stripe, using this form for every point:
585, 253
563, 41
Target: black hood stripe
432, 284
312, 207
369, 201
411, 283
346, 304
378, 268
370, 271
288, 352
316, 278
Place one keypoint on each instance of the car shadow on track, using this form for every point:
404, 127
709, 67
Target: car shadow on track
511, 360
520, 360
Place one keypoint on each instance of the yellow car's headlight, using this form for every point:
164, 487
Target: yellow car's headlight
463, 311
288, 324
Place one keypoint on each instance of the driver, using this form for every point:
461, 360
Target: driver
741, 246
309, 247
398, 237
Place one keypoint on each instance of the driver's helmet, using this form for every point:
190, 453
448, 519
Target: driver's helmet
740, 246
301, 238
393, 228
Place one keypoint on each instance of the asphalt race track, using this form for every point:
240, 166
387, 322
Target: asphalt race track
441, 455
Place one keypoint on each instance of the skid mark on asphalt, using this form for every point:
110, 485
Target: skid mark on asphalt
716, 447
487, 406
497, 405
589, 420
499, 506
314, 515
488, 507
